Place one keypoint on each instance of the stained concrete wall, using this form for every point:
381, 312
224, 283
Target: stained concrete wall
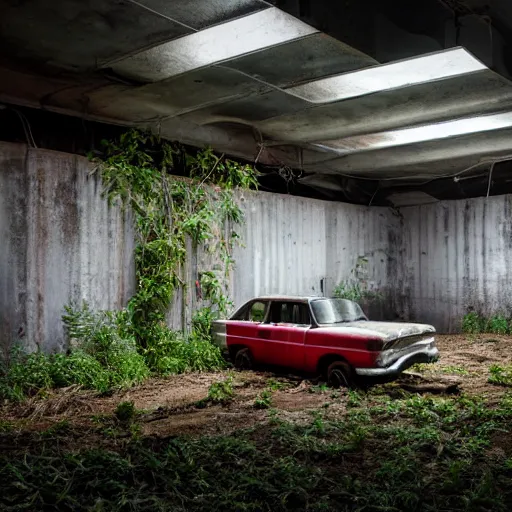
62, 243
457, 256
59, 242
298, 246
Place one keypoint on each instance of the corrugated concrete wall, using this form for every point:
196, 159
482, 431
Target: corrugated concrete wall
299, 246
62, 243
457, 256
293, 243
59, 242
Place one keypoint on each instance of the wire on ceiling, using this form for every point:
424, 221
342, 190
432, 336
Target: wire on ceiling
455, 176
26, 127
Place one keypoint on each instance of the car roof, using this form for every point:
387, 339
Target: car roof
300, 298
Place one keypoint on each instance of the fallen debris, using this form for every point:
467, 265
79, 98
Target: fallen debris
418, 383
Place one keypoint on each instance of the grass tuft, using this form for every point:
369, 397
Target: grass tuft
500, 375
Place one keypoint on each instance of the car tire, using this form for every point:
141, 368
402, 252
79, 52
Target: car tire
340, 375
243, 359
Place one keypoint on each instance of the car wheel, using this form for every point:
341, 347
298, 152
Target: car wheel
243, 359
339, 375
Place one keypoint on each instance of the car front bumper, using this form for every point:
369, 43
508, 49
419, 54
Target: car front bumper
428, 355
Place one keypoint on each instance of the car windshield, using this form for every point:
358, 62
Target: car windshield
336, 311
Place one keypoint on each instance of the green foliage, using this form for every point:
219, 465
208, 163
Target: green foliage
29, 374
422, 367
107, 337
57, 429
103, 355
171, 211
79, 368
170, 352
498, 325
354, 398
206, 166
263, 400
473, 323
453, 370
202, 323
354, 292
500, 375
125, 411
419, 453
6, 426
275, 385
172, 215
221, 392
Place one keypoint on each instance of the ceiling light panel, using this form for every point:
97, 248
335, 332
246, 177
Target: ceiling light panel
228, 40
302, 60
436, 66
200, 14
418, 134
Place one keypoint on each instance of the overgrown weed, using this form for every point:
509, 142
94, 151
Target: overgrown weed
418, 453
170, 214
474, 323
500, 375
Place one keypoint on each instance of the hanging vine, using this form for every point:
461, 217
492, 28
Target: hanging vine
172, 215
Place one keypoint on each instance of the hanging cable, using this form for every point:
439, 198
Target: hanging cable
490, 178
26, 128
374, 194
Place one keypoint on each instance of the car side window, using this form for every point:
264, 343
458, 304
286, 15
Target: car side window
301, 315
252, 312
256, 312
289, 313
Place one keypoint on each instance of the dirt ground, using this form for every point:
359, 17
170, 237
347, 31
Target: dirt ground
169, 406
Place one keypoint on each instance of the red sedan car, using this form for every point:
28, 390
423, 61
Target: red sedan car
331, 337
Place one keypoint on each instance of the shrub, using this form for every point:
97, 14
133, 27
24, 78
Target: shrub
105, 354
29, 374
497, 325
202, 324
170, 352
473, 323
221, 392
107, 337
79, 368
125, 411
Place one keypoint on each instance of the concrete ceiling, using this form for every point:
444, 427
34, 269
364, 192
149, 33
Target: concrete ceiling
256, 82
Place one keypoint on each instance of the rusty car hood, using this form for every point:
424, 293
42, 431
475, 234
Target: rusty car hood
385, 330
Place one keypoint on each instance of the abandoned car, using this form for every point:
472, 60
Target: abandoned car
317, 335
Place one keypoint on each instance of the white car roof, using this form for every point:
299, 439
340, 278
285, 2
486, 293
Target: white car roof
287, 297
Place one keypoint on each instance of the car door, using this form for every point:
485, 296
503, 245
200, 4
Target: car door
284, 333
242, 330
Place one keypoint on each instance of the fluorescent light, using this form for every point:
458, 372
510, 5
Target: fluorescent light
244, 35
417, 134
427, 68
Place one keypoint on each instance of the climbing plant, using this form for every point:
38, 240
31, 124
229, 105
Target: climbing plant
172, 216
180, 201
